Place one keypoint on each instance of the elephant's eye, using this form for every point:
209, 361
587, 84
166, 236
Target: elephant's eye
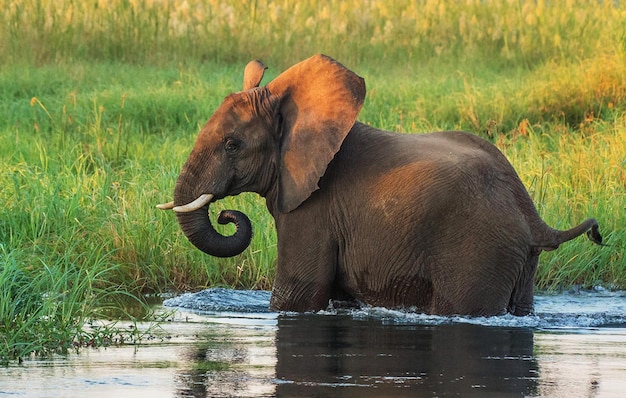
231, 145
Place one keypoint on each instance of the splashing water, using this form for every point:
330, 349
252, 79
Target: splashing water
572, 309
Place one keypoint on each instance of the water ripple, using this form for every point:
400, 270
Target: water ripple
223, 300
573, 309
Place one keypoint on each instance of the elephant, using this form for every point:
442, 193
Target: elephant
438, 222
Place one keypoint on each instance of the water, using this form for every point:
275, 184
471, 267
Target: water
222, 343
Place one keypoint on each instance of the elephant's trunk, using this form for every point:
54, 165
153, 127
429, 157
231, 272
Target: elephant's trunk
198, 228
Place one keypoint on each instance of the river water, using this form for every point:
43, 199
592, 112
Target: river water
224, 343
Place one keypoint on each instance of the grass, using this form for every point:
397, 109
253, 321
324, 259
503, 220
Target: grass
81, 167
101, 102
573, 175
357, 31
49, 308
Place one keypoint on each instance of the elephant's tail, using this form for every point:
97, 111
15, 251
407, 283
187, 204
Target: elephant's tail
551, 238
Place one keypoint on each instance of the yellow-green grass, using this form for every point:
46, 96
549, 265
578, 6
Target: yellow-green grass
574, 175
285, 31
83, 167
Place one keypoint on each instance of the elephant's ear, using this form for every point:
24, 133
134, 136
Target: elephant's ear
253, 74
320, 100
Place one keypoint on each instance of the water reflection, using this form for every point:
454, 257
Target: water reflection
323, 355
234, 360
265, 355
317, 355
192, 382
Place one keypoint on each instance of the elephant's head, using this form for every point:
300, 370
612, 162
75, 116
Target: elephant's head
275, 140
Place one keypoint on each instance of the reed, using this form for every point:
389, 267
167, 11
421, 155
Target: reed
356, 31
48, 308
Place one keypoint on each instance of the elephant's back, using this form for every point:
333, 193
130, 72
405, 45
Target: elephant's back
401, 181
368, 152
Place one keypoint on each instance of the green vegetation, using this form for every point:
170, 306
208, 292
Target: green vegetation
100, 103
356, 31
50, 308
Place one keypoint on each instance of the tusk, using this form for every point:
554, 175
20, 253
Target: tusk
195, 205
166, 206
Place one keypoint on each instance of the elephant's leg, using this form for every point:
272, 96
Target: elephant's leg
522, 302
303, 284
305, 272
473, 303
477, 283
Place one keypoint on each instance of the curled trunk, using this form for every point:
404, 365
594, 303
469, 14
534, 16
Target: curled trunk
198, 228
200, 231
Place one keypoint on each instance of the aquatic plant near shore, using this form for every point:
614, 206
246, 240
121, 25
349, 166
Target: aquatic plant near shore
50, 308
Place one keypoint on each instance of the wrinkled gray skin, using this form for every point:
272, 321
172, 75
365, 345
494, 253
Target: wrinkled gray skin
439, 222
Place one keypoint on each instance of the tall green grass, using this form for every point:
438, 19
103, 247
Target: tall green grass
82, 164
355, 31
83, 172
573, 175
94, 164
101, 101
47, 308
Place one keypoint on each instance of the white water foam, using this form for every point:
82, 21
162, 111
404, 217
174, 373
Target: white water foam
573, 309
223, 300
